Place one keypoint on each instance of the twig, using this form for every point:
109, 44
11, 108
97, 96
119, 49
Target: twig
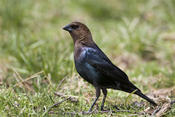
55, 105
94, 112
72, 98
58, 103
21, 81
29, 78
60, 83
118, 110
138, 113
163, 110
64, 113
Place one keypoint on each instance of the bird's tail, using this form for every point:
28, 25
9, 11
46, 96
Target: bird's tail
139, 93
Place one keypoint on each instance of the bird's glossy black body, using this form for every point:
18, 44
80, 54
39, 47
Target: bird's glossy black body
95, 67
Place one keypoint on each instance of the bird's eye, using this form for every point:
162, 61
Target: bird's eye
74, 26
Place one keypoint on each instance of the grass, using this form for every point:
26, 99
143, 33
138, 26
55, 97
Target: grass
36, 54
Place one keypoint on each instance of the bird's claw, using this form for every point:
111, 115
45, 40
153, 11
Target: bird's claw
102, 109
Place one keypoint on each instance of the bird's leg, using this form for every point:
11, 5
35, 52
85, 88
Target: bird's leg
97, 96
104, 98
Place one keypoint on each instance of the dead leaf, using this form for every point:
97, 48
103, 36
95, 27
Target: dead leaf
161, 97
165, 107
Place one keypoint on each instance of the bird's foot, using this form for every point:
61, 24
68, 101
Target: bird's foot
104, 110
115, 106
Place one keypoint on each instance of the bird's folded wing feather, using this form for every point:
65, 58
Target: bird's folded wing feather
102, 64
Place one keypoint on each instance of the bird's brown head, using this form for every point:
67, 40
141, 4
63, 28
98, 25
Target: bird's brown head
79, 31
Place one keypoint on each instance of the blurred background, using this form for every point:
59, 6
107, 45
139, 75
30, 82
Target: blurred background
36, 55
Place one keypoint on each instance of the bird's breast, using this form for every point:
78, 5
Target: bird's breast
85, 70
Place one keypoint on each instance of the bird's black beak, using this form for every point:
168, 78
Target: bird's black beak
68, 28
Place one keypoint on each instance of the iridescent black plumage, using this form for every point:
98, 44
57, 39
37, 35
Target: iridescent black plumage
95, 67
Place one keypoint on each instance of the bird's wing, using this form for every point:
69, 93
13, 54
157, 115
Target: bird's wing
97, 59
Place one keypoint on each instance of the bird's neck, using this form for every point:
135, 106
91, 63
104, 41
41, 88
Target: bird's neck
84, 41
79, 44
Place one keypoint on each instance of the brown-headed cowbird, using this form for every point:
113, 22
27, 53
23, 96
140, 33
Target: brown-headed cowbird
95, 67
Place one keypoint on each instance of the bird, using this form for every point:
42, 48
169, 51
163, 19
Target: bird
96, 68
